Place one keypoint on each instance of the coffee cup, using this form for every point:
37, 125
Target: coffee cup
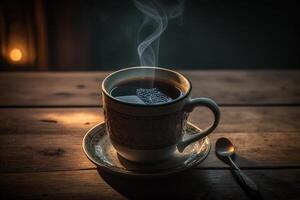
146, 111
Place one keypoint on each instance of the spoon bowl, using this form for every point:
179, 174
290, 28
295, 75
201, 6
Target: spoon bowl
224, 147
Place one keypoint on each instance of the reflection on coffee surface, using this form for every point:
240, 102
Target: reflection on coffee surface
146, 91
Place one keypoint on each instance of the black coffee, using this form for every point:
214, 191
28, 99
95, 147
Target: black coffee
146, 91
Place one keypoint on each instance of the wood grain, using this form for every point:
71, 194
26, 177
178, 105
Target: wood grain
194, 184
83, 89
56, 185
50, 88
50, 139
78, 120
35, 153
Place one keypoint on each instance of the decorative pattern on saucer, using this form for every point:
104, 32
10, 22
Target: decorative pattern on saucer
99, 150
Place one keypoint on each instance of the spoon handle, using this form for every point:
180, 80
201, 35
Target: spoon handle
249, 183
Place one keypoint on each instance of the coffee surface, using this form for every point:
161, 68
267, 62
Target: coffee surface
146, 91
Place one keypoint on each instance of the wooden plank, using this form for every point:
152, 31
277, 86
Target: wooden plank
50, 139
247, 87
194, 184
56, 185
83, 89
55, 121
49, 152
251, 119
79, 120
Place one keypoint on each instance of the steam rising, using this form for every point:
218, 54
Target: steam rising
156, 15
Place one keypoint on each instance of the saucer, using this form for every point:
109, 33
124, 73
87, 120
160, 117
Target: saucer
98, 148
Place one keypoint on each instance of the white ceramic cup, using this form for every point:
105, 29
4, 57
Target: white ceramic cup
151, 133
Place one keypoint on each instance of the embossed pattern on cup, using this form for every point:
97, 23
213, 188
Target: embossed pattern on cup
145, 132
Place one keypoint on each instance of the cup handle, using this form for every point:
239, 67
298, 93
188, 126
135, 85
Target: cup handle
189, 107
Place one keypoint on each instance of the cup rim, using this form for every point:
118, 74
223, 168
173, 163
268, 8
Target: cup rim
146, 105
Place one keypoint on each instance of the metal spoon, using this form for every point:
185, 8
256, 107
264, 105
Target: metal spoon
225, 149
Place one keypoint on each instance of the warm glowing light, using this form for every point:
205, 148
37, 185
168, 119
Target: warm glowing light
231, 149
15, 54
74, 118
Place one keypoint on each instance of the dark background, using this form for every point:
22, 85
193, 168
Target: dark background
101, 35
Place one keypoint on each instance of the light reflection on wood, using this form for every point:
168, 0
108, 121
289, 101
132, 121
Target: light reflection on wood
74, 118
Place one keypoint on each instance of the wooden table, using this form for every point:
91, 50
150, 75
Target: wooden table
44, 116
